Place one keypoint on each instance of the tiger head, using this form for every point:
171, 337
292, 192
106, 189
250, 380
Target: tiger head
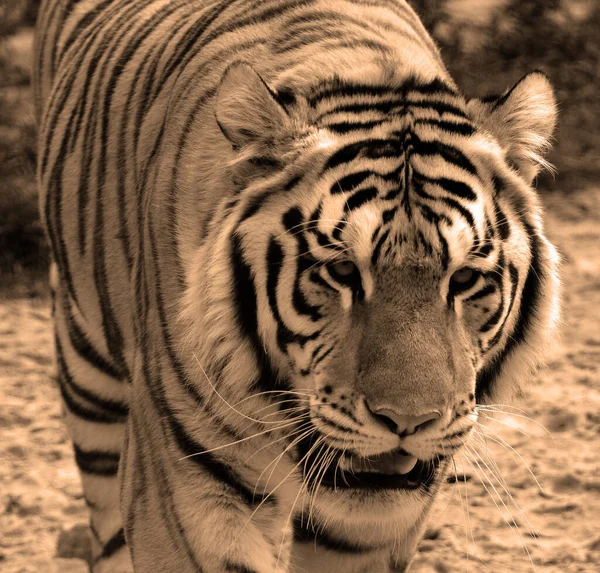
386, 258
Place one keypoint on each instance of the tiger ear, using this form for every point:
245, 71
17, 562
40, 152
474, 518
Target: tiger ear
247, 110
522, 119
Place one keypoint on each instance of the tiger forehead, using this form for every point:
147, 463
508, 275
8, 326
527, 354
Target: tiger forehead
402, 198
411, 98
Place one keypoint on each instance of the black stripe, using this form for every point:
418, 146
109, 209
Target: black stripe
531, 290
285, 336
527, 309
163, 490
309, 37
87, 352
377, 250
445, 259
167, 338
110, 326
360, 198
431, 216
424, 243
349, 182
343, 127
322, 239
319, 359
514, 280
452, 203
246, 313
318, 279
236, 568
368, 148
219, 471
100, 106
458, 188
116, 542
391, 108
388, 215
292, 220
98, 409
448, 126
304, 533
467, 215
440, 107
87, 22
483, 250
501, 221
96, 462
186, 48
53, 217
449, 153
488, 289
167, 344
81, 411
255, 203
339, 88
499, 278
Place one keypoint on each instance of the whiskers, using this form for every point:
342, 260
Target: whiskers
292, 410
477, 455
300, 395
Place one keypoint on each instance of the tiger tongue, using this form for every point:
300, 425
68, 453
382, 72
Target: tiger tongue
404, 464
391, 464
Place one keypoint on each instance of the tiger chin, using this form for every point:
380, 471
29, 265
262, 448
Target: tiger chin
291, 260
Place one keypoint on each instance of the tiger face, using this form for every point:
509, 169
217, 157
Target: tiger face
392, 241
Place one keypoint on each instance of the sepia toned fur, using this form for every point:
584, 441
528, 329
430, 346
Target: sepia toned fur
290, 261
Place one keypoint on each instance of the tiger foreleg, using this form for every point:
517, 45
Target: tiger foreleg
186, 513
94, 399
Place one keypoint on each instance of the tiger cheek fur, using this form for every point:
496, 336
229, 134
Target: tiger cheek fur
290, 260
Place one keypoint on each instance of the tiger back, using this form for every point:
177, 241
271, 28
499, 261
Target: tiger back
291, 260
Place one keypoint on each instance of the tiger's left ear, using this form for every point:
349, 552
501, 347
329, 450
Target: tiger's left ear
247, 110
522, 120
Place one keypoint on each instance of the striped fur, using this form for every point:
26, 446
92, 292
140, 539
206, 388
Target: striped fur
270, 219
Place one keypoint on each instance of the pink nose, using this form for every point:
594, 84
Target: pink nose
402, 424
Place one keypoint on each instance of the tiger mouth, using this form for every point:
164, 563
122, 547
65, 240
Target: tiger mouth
393, 470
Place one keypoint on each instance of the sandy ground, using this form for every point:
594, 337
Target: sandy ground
477, 525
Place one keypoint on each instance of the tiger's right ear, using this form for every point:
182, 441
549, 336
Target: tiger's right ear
522, 119
247, 110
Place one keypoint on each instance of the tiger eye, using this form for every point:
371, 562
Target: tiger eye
463, 276
344, 268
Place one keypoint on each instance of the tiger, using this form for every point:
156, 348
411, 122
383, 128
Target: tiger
291, 262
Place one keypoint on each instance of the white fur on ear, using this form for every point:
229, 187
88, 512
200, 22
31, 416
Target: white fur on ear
522, 120
247, 110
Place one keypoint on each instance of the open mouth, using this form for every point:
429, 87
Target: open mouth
392, 470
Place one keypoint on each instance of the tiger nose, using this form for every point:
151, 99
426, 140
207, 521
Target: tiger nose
402, 424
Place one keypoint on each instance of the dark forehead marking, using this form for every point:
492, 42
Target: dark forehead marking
372, 148
337, 88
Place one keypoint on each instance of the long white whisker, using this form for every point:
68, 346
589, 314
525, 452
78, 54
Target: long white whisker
303, 395
513, 526
225, 401
513, 415
283, 425
502, 442
265, 499
302, 427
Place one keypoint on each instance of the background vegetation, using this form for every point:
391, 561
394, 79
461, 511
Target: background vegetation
23, 251
487, 44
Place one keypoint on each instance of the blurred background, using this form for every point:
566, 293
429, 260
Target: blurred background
526, 496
